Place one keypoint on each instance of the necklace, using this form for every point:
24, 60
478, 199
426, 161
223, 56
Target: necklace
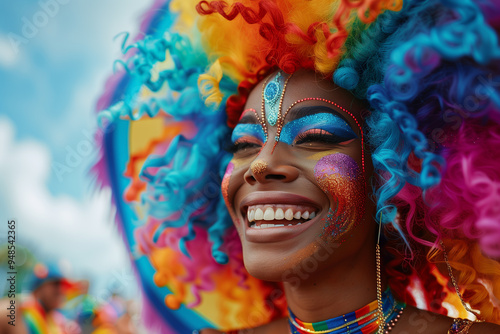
361, 321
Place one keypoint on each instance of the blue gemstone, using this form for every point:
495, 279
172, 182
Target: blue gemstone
271, 91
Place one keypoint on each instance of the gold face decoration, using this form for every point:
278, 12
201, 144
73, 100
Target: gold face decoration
258, 167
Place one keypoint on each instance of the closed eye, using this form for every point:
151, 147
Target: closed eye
245, 144
322, 128
320, 136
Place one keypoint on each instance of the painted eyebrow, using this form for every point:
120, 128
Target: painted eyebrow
248, 129
326, 121
299, 112
248, 117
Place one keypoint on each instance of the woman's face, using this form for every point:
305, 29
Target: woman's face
297, 185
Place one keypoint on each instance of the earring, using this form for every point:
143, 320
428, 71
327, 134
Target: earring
258, 167
455, 285
381, 318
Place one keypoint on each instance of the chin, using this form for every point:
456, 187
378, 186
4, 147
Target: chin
269, 274
294, 265
266, 265
264, 275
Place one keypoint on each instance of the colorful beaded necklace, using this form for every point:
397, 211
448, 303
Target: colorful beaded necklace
361, 321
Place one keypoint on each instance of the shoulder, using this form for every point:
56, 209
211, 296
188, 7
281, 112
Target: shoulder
415, 320
484, 328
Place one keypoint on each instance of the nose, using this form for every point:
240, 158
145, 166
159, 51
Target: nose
271, 166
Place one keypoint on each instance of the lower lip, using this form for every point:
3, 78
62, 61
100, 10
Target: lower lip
275, 234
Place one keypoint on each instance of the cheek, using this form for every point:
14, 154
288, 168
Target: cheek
340, 177
225, 184
225, 191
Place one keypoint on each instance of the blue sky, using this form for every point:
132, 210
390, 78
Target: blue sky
54, 58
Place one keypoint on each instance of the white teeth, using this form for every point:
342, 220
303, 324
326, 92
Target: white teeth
279, 214
269, 214
259, 214
267, 225
276, 213
251, 215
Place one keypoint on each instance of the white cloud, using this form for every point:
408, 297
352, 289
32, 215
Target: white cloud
8, 55
61, 228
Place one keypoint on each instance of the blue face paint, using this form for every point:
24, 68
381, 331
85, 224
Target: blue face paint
248, 130
322, 121
272, 94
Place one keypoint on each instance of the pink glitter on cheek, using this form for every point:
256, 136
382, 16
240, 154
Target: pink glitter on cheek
225, 188
340, 177
338, 164
225, 182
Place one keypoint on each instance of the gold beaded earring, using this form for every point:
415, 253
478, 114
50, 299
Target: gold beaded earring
381, 319
455, 285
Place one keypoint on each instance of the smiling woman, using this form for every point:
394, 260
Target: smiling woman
355, 147
308, 176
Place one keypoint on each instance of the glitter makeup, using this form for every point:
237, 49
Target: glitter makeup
340, 177
248, 130
225, 180
258, 167
318, 99
337, 165
272, 93
323, 121
260, 118
225, 188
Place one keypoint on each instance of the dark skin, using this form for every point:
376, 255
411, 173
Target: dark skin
344, 272
5, 328
49, 294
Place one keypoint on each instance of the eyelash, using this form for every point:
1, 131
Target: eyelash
318, 135
240, 145
309, 136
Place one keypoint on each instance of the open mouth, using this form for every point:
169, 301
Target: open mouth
279, 215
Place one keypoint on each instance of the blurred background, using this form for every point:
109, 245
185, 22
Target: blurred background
55, 56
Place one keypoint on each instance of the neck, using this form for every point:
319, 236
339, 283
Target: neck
346, 286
